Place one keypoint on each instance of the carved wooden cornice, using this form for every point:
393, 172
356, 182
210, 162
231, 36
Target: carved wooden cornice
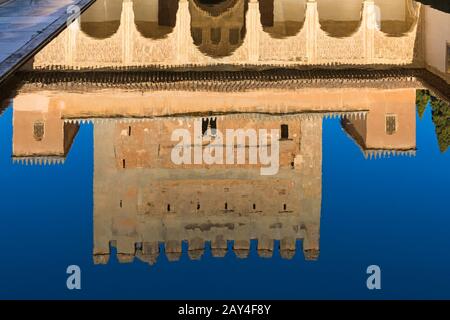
241, 80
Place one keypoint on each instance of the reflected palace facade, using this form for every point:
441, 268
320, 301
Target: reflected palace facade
142, 199
138, 70
186, 33
283, 32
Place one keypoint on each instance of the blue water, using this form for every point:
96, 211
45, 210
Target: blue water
391, 212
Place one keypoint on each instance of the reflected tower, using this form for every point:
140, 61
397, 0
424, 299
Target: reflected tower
40, 135
388, 129
142, 199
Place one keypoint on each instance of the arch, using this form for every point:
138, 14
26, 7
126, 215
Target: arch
397, 17
282, 18
102, 19
216, 7
340, 19
155, 19
218, 26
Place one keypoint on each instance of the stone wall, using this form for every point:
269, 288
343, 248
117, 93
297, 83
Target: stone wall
136, 209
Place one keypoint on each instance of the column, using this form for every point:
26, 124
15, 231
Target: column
127, 26
183, 32
254, 30
371, 22
311, 25
72, 35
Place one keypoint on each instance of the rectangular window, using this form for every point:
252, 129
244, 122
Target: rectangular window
391, 124
234, 36
38, 131
216, 35
209, 123
197, 36
205, 125
284, 131
213, 125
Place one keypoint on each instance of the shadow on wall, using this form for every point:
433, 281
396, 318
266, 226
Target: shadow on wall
282, 19
155, 19
441, 5
102, 19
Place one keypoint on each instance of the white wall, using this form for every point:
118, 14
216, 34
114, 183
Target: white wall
437, 35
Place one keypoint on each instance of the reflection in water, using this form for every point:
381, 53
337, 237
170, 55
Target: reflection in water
155, 19
241, 32
156, 201
266, 33
143, 201
40, 134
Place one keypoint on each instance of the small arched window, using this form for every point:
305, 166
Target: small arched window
38, 130
391, 124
